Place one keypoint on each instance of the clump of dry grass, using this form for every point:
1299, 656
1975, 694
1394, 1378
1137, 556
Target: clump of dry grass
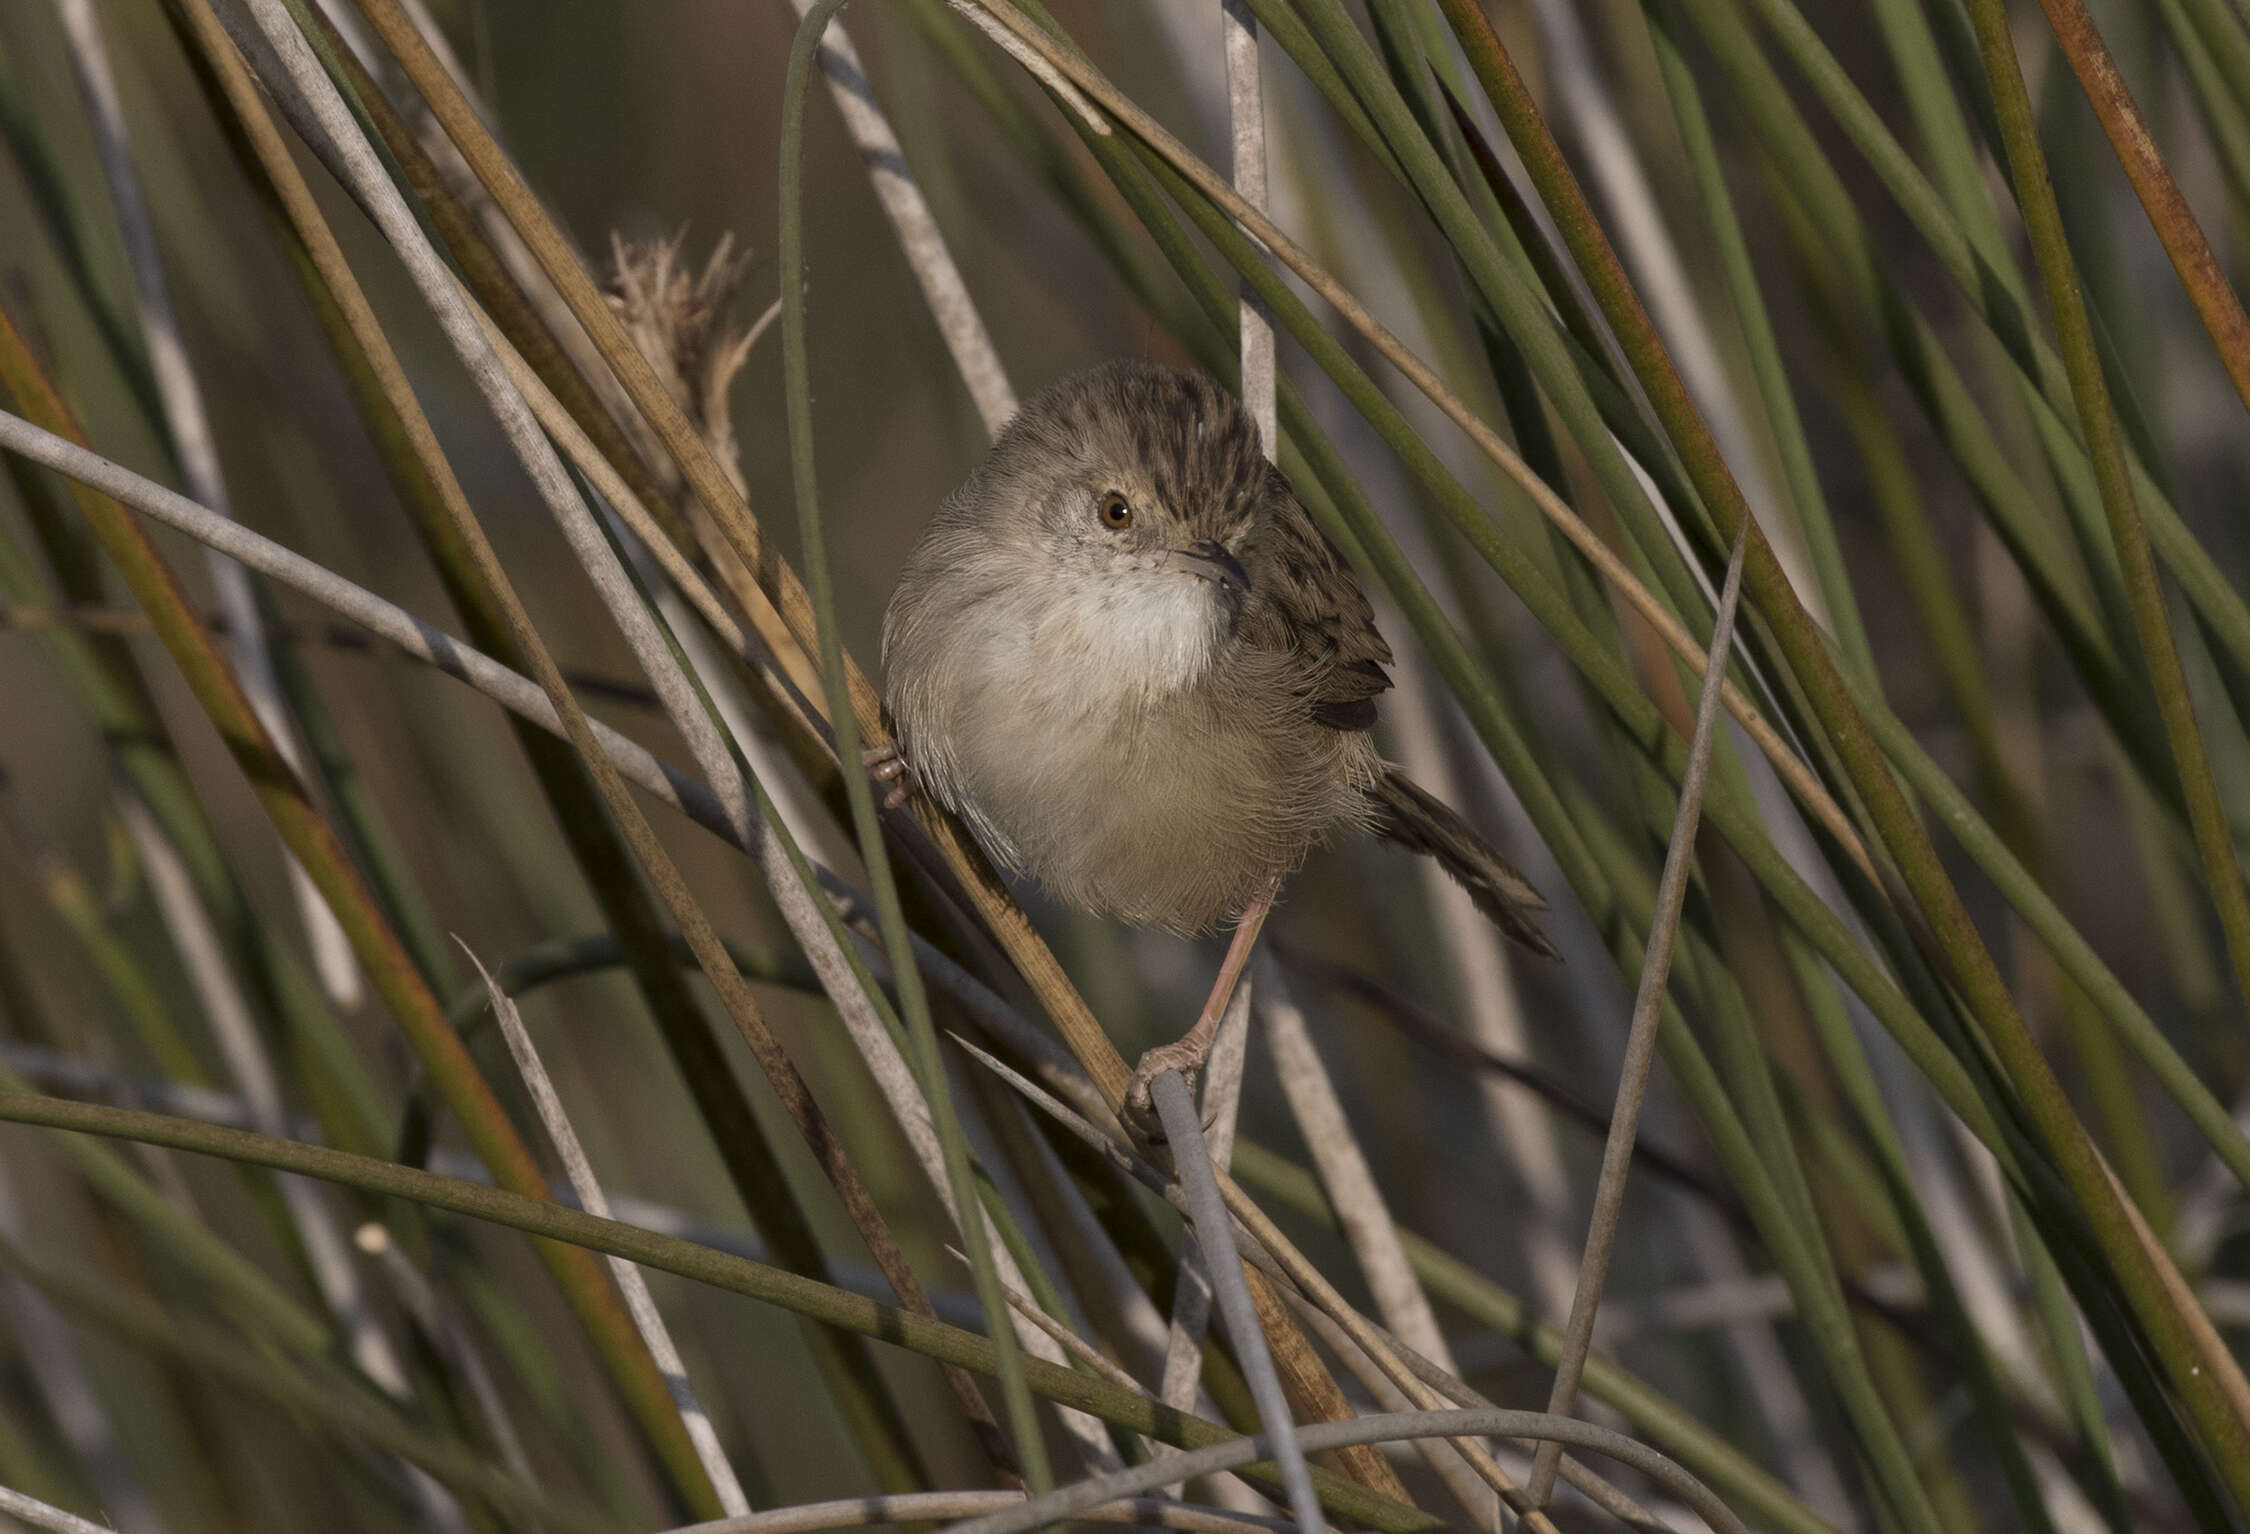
684, 322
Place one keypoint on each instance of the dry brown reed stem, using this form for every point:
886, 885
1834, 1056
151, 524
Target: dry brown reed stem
1793, 771
381, 954
2175, 223
437, 287
987, 895
611, 486
2229, 1376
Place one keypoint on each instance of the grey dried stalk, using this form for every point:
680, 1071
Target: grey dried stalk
630, 1282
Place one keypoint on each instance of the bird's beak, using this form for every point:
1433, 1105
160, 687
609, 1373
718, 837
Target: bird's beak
1207, 559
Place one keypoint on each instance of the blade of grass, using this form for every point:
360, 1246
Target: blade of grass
1765, 360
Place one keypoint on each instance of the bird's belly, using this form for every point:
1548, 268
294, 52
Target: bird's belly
1170, 812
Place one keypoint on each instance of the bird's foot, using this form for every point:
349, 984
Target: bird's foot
893, 775
1187, 1056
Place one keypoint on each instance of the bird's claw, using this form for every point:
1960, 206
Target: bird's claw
1187, 1056
893, 774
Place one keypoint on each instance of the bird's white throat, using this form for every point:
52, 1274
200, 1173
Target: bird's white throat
1107, 641
1148, 632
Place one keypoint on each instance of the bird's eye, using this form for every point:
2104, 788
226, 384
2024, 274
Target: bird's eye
1116, 511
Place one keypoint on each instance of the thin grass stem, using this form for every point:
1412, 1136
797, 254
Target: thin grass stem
1640, 1041
1539, 1426
860, 1512
555, 1119
919, 239
1214, 1233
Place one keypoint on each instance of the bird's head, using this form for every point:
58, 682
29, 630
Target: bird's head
1121, 503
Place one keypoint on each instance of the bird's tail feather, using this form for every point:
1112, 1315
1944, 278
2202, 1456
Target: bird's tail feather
1409, 815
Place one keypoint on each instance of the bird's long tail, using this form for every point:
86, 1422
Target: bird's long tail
1407, 814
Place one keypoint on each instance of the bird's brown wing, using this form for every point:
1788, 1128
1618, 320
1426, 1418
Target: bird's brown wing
1305, 598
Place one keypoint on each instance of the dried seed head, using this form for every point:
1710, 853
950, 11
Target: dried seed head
682, 322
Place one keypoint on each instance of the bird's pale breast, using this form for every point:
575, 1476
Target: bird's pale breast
1168, 806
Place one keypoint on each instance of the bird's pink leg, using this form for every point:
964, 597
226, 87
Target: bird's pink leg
1187, 1054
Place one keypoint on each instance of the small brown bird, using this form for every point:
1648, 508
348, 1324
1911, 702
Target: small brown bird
1126, 657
